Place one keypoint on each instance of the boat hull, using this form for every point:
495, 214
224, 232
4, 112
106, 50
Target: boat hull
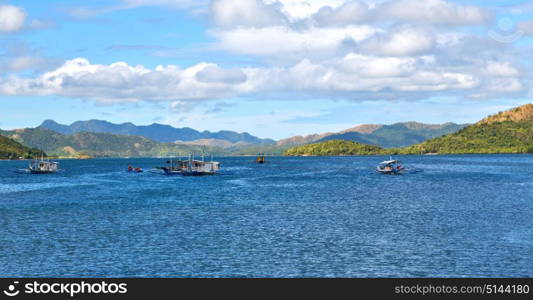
42, 172
390, 172
195, 173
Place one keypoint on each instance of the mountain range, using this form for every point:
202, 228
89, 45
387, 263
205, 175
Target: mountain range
101, 138
92, 144
157, 132
386, 136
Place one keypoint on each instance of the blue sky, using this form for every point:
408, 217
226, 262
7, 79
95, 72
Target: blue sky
270, 68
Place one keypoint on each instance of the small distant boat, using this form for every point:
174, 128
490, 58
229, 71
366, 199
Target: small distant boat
135, 170
260, 158
43, 166
191, 167
391, 167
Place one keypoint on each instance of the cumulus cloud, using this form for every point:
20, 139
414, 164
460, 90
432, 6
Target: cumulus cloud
215, 74
247, 13
504, 85
501, 69
433, 11
181, 107
287, 43
326, 28
120, 82
402, 42
361, 74
11, 18
352, 12
337, 49
300, 9
354, 76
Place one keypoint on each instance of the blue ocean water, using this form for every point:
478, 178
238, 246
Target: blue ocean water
292, 217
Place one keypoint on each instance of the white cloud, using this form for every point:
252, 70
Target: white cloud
120, 82
352, 12
326, 48
331, 28
301, 9
432, 11
373, 67
181, 107
215, 74
504, 85
345, 77
249, 13
503, 69
403, 42
366, 74
287, 43
11, 18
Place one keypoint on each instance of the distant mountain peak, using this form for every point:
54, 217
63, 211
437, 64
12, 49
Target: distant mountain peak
364, 128
49, 121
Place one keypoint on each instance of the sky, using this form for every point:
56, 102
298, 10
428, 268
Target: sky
273, 68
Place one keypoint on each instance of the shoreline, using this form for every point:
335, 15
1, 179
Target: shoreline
231, 156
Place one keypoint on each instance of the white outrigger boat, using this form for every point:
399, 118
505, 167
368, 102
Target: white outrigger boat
391, 167
43, 166
191, 167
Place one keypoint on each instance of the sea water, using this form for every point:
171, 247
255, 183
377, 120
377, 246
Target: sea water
468, 215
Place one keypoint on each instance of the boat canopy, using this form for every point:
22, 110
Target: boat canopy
390, 162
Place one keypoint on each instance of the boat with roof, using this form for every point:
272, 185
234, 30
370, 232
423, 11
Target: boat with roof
390, 167
42, 166
191, 166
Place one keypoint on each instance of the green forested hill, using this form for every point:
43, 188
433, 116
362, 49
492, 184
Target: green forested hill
335, 147
506, 132
10, 149
97, 144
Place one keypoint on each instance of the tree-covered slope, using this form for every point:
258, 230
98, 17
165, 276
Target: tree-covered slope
10, 149
334, 147
506, 132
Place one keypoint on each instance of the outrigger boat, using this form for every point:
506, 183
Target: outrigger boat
391, 167
191, 167
42, 166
